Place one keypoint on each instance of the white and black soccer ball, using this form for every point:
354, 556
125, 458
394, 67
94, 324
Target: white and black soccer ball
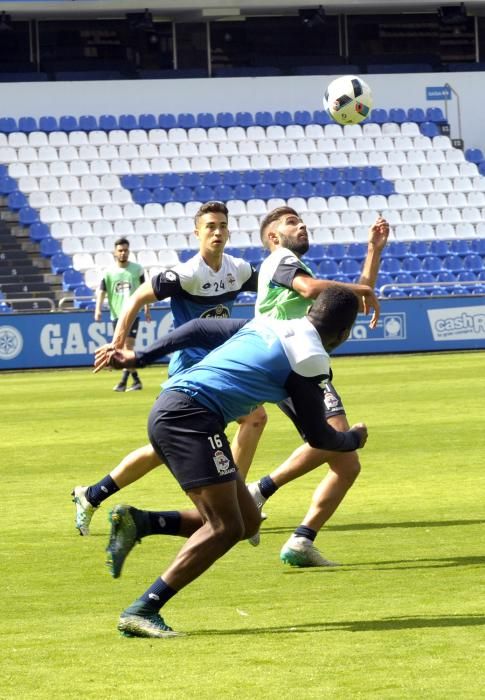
348, 99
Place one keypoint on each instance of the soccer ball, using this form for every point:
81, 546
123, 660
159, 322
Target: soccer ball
348, 99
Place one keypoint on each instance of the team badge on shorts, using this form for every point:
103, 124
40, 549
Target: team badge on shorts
223, 465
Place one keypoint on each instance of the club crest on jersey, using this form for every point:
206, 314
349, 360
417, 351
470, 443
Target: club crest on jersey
331, 401
123, 287
219, 311
223, 465
170, 276
230, 279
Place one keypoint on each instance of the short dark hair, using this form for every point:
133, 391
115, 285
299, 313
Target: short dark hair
334, 310
122, 241
212, 207
271, 216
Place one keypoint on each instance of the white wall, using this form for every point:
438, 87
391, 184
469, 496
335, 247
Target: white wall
245, 94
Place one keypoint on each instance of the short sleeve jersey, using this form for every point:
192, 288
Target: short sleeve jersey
197, 291
276, 298
253, 367
119, 283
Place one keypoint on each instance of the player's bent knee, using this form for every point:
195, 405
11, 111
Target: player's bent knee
346, 465
257, 419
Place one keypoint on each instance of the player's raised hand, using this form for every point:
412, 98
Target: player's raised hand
361, 430
379, 233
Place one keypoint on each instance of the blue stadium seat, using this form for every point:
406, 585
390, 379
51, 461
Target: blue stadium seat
420, 248
186, 120
396, 249
429, 129
272, 177
211, 179
130, 181
481, 168
167, 121
397, 115
474, 155
70, 278
263, 191
327, 268
411, 263
365, 188
235, 177
68, 123
478, 246
323, 189
142, 195
440, 247
244, 192
445, 276
390, 265
48, 124
149, 181
38, 231
244, 119
234, 251
292, 175
304, 189
171, 180
316, 252
254, 255
84, 297
88, 122
437, 291
416, 114
336, 251
435, 114
425, 277
283, 118
184, 255
8, 184
320, 116
49, 247
460, 246
27, 124
183, 194
282, 189
453, 263
147, 121
302, 117
344, 188
382, 279
162, 195
331, 174
17, 200
417, 292
473, 262
352, 174
466, 276
225, 119
357, 250
350, 267
8, 125
385, 187
403, 278
191, 179
204, 193
432, 263
5, 308
312, 175
108, 122
28, 216
60, 262
223, 193
205, 120
371, 172
263, 119
379, 116
394, 292
127, 122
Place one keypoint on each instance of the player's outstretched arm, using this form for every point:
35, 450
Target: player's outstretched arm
378, 237
207, 333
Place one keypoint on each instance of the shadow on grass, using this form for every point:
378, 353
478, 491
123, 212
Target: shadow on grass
384, 625
382, 526
394, 564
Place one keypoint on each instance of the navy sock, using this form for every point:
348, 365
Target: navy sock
162, 522
135, 376
267, 486
97, 493
124, 376
307, 532
154, 597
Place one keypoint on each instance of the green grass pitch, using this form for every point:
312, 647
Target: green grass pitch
403, 617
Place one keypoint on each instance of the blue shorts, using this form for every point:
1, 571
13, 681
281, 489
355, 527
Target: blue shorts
191, 441
332, 401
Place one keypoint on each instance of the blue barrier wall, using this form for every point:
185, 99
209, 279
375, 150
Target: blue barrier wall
69, 339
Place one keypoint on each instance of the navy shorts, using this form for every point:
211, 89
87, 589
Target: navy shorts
133, 330
190, 439
332, 401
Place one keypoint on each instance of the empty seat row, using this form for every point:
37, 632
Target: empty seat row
186, 120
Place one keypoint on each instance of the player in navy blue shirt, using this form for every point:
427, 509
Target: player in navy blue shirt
267, 360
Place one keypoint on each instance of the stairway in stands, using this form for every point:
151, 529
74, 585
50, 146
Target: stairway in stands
26, 279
